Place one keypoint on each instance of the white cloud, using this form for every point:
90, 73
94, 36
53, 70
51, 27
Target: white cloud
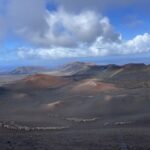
139, 44
75, 29
26, 18
70, 30
53, 53
30, 20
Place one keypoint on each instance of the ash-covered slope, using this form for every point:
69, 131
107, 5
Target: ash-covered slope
76, 67
132, 76
71, 69
82, 70
105, 91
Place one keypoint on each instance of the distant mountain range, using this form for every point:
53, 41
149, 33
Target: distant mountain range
79, 70
28, 70
70, 69
129, 75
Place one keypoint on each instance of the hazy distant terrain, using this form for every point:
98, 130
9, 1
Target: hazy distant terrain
79, 106
28, 70
6, 79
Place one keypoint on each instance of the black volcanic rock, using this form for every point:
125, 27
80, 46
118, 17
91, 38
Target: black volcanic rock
3, 90
134, 66
113, 67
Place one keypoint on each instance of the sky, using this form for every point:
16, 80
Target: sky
48, 32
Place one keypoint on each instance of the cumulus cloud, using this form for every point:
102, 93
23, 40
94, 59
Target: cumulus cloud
27, 18
71, 30
139, 44
45, 28
22, 19
75, 29
53, 53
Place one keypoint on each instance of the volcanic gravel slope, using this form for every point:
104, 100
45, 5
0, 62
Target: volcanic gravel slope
106, 102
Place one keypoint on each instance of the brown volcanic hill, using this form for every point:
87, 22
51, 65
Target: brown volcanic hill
134, 66
113, 67
93, 85
81, 68
41, 81
85, 72
132, 76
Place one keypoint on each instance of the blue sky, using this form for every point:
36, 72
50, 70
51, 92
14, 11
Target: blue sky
129, 22
54, 32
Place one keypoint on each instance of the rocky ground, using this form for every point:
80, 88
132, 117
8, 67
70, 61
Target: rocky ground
77, 139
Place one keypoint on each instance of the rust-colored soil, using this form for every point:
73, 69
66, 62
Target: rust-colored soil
93, 85
45, 81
